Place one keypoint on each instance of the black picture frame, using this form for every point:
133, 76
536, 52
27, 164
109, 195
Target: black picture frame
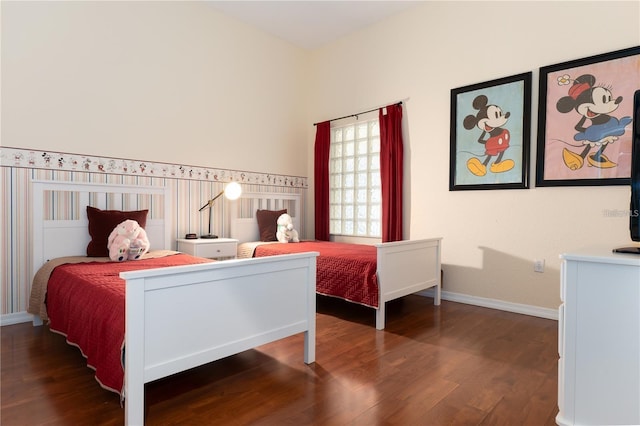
489, 136
572, 138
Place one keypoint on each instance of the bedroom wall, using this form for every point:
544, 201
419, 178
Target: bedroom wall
491, 238
179, 83
161, 89
156, 81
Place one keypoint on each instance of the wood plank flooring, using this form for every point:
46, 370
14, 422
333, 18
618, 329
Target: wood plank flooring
450, 365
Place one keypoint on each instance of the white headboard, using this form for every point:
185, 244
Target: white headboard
244, 225
64, 236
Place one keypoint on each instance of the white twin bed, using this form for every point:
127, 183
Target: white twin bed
401, 267
258, 299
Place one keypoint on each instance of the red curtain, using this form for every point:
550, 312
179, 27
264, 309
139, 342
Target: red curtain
391, 169
321, 180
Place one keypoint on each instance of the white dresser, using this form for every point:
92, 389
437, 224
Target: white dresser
599, 339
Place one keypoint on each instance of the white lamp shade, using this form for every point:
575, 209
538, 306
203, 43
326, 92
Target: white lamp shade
232, 191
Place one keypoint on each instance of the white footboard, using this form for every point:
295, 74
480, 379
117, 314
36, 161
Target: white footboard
182, 317
406, 267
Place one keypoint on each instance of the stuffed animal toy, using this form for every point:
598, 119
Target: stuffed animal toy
285, 232
127, 241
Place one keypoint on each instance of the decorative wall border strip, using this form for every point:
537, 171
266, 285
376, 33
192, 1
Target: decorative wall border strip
52, 160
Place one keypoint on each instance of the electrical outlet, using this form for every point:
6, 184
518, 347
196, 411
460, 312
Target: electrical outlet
538, 265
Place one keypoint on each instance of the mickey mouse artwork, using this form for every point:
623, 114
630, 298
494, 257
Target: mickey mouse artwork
490, 130
596, 127
491, 120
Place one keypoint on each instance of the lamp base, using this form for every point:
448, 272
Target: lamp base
209, 236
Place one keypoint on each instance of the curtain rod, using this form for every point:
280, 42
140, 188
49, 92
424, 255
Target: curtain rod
360, 113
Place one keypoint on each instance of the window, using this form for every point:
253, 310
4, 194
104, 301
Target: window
355, 199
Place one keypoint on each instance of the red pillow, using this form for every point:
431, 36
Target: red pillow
268, 223
102, 222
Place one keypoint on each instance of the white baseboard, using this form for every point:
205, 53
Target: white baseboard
501, 305
15, 318
518, 308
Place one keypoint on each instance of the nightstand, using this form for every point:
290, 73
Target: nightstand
214, 248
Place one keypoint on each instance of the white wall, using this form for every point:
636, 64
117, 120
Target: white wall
155, 81
179, 82
491, 238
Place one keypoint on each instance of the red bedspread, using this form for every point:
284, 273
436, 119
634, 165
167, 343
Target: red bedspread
347, 271
86, 303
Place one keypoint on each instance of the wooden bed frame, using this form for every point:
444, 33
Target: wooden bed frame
265, 299
403, 267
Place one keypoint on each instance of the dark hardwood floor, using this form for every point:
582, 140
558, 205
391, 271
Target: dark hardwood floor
450, 365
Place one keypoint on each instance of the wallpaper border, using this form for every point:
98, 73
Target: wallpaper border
61, 161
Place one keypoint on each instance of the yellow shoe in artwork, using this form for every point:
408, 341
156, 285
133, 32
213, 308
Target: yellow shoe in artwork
604, 164
503, 166
572, 160
476, 167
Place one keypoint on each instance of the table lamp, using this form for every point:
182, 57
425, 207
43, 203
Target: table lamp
232, 191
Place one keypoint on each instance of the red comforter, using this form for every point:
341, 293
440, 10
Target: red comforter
86, 303
347, 271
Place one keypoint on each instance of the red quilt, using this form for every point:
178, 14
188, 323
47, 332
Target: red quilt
86, 303
347, 271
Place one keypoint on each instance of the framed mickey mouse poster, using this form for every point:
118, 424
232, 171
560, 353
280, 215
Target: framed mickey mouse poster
490, 129
584, 120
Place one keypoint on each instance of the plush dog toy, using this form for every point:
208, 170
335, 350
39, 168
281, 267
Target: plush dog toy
285, 232
127, 241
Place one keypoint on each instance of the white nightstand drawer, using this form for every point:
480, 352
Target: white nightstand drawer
216, 250
210, 248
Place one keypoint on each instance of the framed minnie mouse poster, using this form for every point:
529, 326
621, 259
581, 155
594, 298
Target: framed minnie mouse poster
584, 120
490, 128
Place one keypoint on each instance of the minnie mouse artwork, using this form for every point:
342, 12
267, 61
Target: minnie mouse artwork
593, 103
